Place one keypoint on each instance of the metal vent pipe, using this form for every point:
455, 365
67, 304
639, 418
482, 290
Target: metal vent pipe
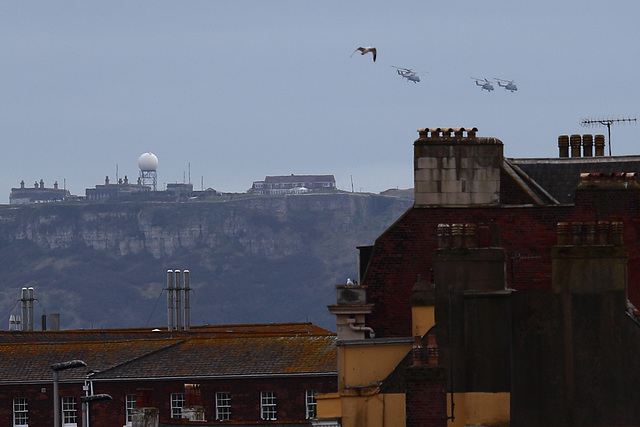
30, 308
178, 301
25, 310
170, 291
187, 308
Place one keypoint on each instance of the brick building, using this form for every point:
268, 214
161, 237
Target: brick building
230, 374
527, 290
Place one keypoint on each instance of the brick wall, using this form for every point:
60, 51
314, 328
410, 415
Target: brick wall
245, 398
426, 397
527, 233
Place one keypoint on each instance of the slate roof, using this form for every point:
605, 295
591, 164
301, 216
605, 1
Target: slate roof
228, 350
560, 176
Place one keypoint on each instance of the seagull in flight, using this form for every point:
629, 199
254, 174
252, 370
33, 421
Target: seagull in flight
364, 50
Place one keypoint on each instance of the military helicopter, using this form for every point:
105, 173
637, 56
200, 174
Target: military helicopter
408, 73
507, 84
484, 83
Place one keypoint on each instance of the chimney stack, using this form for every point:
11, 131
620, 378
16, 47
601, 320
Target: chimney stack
177, 317
451, 169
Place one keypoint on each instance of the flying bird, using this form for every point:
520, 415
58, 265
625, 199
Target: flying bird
367, 49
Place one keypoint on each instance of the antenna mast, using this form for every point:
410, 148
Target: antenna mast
607, 123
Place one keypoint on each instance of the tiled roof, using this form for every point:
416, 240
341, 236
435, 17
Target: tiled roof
31, 362
204, 357
258, 329
208, 351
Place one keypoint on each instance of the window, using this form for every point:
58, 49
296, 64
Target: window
129, 406
69, 411
310, 399
177, 402
268, 405
20, 412
223, 406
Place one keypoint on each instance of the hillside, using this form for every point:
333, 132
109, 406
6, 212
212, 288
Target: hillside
260, 259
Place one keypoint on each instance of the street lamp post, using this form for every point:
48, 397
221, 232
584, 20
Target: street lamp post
57, 367
85, 405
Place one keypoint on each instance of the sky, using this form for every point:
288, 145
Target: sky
228, 92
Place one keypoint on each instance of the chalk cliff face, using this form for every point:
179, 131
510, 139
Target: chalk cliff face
260, 259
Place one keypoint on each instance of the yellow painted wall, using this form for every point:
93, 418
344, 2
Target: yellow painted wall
394, 410
364, 365
378, 410
459, 410
488, 409
422, 319
480, 409
329, 405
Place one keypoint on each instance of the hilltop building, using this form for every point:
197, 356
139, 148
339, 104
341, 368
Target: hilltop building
293, 184
257, 374
505, 296
37, 194
122, 188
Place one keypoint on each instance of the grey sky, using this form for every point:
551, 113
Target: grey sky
244, 89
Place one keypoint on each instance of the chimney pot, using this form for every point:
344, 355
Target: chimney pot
603, 232
587, 145
575, 141
470, 236
617, 229
563, 145
563, 233
456, 235
599, 142
576, 233
589, 233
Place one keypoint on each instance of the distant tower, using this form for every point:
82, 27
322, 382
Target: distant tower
148, 164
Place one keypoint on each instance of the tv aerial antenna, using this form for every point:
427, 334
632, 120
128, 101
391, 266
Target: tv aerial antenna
607, 123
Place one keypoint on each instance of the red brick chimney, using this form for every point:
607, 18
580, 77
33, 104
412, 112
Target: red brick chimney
426, 384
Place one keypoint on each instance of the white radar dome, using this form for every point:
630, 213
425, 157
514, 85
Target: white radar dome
148, 162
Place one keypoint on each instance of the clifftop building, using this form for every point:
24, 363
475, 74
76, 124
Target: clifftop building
293, 184
37, 194
119, 189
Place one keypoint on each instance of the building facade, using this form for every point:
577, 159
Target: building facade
293, 184
524, 294
38, 194
230, 374
121, 188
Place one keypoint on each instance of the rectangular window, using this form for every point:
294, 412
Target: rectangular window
69, 411
223, 406
310, 399
268, 405
20, 412
177, 402
129, 406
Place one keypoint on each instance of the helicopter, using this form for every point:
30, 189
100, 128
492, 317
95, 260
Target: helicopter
507, 84
484, 83
408, 73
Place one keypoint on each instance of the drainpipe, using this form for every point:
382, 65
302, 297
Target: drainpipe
360, 328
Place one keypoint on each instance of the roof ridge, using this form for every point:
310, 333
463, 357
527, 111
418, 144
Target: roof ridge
145, 355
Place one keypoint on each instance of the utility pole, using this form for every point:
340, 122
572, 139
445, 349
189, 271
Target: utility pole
607, 123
